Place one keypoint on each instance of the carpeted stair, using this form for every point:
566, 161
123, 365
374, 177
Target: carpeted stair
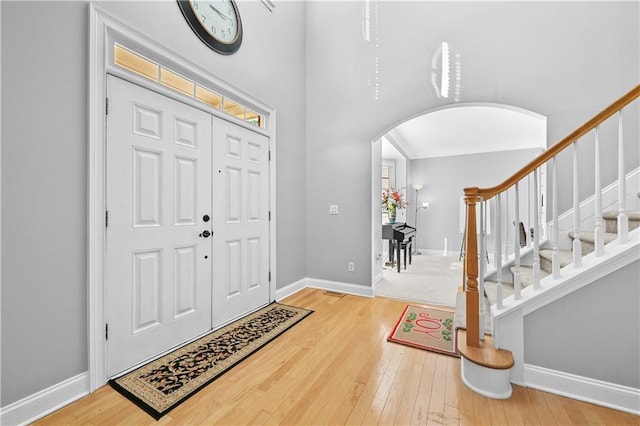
587, 240
526, 272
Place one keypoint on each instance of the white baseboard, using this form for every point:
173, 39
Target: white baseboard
597, 392
38, 405
357, 290
291, 289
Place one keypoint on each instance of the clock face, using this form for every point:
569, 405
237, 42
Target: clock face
216, 22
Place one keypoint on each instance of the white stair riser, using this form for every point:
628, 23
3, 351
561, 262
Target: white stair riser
488, 382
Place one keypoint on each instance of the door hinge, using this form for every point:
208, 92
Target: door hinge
106, 218
106, 106
269, 215
106, 331
269, 276
269, 155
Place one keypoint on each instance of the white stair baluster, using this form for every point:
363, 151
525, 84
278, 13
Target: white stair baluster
555, 257
505, 223
577, 244
495, 224
623, 220
499, 251
526, 228
536, 234
481, 268
599, 228
516, 244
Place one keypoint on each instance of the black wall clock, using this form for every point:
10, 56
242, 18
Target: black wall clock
216, 22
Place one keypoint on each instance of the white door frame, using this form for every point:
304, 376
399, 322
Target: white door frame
104, 30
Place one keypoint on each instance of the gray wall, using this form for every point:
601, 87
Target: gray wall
565, 60
444, 181
539, 56
43, 196
44, 166
594, 332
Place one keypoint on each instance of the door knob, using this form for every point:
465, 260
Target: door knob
205, 234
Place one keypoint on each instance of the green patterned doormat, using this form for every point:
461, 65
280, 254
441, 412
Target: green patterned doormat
163, 384
426, 327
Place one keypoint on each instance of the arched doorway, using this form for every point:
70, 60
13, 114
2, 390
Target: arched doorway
444, 150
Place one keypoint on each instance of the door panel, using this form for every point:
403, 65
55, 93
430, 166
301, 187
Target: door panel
146, 286
158, 190
241, 221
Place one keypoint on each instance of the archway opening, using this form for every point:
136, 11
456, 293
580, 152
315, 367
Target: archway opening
442, 151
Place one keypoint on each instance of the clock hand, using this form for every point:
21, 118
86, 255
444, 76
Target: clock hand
219, 13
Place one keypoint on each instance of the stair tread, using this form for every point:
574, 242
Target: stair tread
491, 291
566, 256
589, 237
526, 274
486, 354
613, 215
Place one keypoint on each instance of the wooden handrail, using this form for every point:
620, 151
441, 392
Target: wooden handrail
487, 193
474, 195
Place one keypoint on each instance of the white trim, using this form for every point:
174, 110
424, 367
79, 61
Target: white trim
291, 289
46, 401
104, 30
354, 289
0, 200
490, 382
295, 287
272, 119
609, 395
96, 198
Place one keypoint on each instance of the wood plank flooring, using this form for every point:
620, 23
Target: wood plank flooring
336, 367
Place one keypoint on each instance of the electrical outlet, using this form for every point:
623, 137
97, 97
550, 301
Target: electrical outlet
333, 209
351, 266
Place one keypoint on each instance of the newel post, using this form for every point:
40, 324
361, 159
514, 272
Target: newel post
471, 269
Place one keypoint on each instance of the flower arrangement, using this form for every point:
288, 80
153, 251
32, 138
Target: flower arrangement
392, 200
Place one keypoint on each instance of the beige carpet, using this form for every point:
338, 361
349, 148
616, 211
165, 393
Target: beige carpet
431, 279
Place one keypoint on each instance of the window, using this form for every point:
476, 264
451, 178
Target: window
388, 174
385, 178
131, 61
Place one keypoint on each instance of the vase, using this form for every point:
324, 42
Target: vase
392, 215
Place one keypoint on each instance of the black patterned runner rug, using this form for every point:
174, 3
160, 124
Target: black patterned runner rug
163, 384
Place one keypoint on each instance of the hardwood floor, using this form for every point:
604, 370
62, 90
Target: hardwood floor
336, 367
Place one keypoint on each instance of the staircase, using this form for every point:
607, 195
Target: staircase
539, 272
546, 261
566, 256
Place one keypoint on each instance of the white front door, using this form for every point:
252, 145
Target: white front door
241, 221
158, 257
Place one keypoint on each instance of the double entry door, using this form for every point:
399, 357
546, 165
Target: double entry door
187, 237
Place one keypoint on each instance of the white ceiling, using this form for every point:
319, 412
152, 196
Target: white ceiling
469, 129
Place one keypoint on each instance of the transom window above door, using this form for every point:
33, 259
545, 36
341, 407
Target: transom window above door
131, 61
